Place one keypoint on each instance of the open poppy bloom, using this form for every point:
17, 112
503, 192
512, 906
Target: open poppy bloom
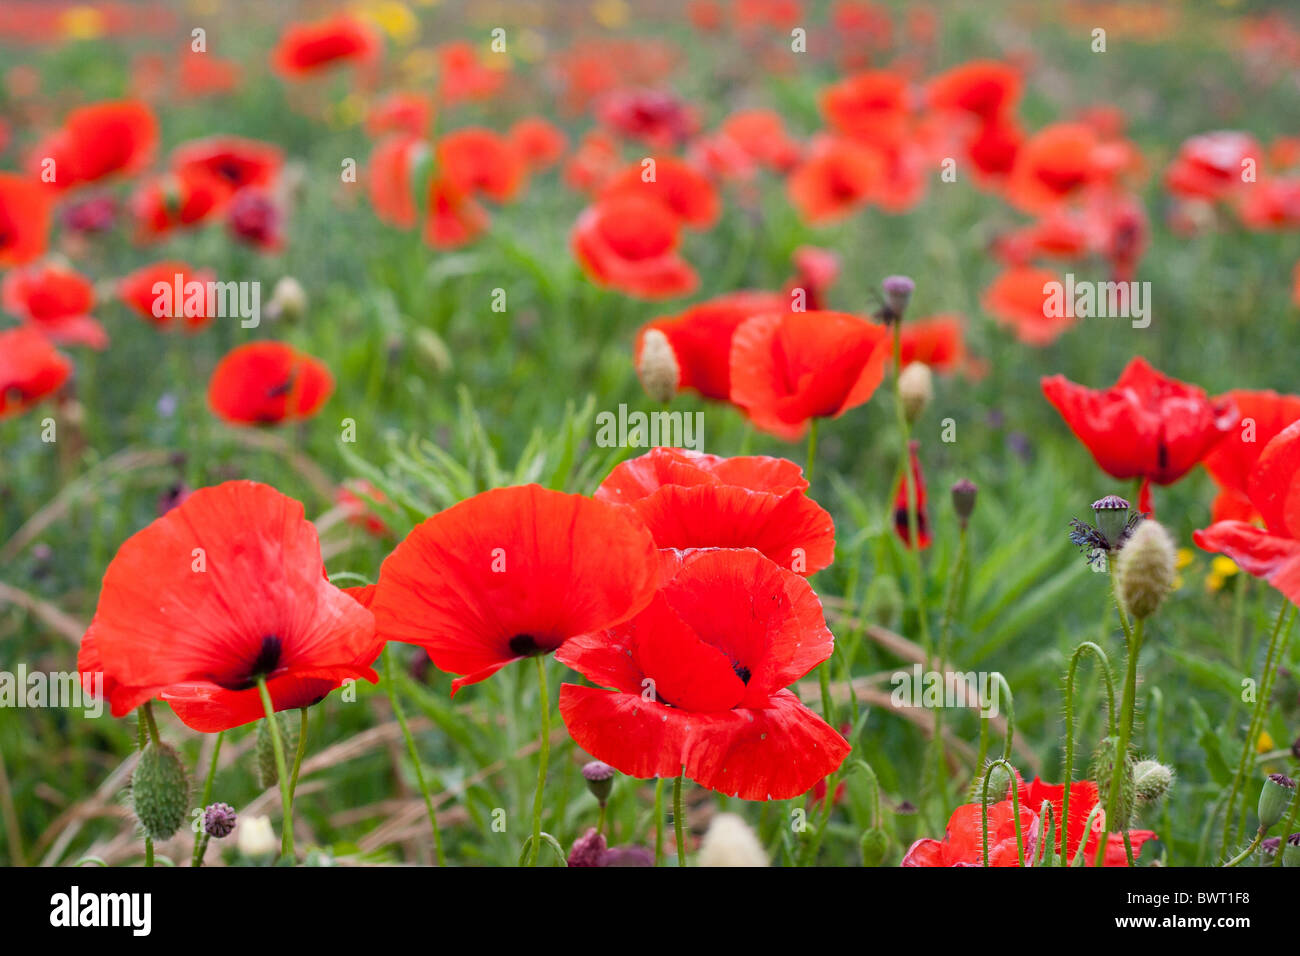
1018, 298
25, 207
837, 177
677, 186
701, 337
264, 383
401, 112
629, 243
870, 106
57, 301
1147, 425
538, 141
100, 140
308, 48
1230, 462
1209, 166
512, 573
963, 844
176, 200
1271, 552
226, 588
480, 160
787, 369
1083, 798
691, 500
30, 369
902, 521
233, 161
1053, 165
141, 290
698, 680
984, 88
937, 341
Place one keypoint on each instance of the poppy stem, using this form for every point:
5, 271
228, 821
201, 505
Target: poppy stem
201, 842
281, 769
391, 684
142, 738
1104, 662
659, 820
1121, 746
678, 820
1288, 828
600, 821
543, 756
302, 749
812, 451
1254, 845
913, 543
152, 724
1015, 809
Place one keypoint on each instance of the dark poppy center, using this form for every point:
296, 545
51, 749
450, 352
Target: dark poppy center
742, 672
524, 645
263, 665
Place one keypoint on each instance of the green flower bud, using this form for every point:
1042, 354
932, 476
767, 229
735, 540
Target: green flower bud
1151, 781
267, 776
874, 845
999, 784
159, 791
1274, 799
1102, 769
1145, 569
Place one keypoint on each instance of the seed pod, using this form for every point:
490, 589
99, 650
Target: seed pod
898, 295
1145, 569
218, 820
159, 791
600, 779
1274, 799
1111, 516
266, 771
964, 493
1291, 852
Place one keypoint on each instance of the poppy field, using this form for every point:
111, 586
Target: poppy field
618, 433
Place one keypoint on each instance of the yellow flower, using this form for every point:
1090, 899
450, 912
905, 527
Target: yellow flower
1224, 567
1185, 557
81, 23
1213, 582
395, 19
1265, 742
610, 14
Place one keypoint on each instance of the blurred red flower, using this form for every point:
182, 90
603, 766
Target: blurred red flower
1210, 166
263, 383
1083, 797
30, 369
400, 112
540, 142
234, 161
1053, 165
902, 523
937, 341
629, 242
1263, 416
56, 300
25, 208
673, 183
477, 160
140, 291
963, 844
306, 49
837, 177
986, 89
103, 139
1018, 298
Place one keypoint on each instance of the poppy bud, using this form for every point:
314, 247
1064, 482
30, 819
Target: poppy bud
1111, 514
1102, 769
1146, 569
267, 775
159, 791
898, 293
915, 389
963, 499
600, 779
1151, 781
1274, 798
657, 367
730, 842
1291, 852
999, 784
430, 347
219, 820
288, 300
874, 844
256, 837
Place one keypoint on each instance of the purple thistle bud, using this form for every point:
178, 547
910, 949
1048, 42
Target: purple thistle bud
218, 820
898, 294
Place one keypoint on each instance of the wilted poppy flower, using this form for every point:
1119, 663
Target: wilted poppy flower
1147, 425
263, 383
837, 177
902, 520
474, 159
400, 112
1018, 298
223, 590
963, 844
1271, 552
1230, 462
629, 243
656, 118
984, 88
701, 335
57, 301
1210, 166
100, 140
143, 291
233, 161
674, 184
512, 573
307, 48
1053, 165
30, 369
789, 368
24, 219
692, 500
698, 680
538, 141
1083, 798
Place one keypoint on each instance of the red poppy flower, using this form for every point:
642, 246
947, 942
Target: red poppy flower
307, 48
701, 338
512, 573
1263, 416
57, 301
629, 243
30, 369
393, 164
993, 147
538, 141
480, 160
1053, 165
453, 218
937, 341
871, 106
464, 75
400, 112
354, 498
677, 186
1271, 552
963, 844
268, 382
816, 270
25, 208
1147, 425
837, 177
761, 135
233, 161
176, 200
792, 367
255, 217
984, 88
657, 118
1271, 204
698, 680
1083, 798
103, 139
692, 500
141, 290
226, 588
1209, 166
1018, 298
902, 524
594, 163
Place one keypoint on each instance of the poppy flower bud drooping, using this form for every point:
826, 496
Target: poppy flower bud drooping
600, 779
999, 784
219, 820
964, 493
916, 389
898, 293
874, 845
159, 791
1274, 799
1145, 570
1151, 781
1102, 770
657, 367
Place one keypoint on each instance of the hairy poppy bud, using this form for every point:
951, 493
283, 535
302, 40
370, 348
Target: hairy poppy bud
898, 294
1146, 569
657, 367
1291, 852
1102, 769
999, 784
730, 842
256, 837
159, 791
1151, 781
1274, 799
600, 779
288, 300
874, 844
1111, 514
218, 820
963, 499
267, 775
915, 389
